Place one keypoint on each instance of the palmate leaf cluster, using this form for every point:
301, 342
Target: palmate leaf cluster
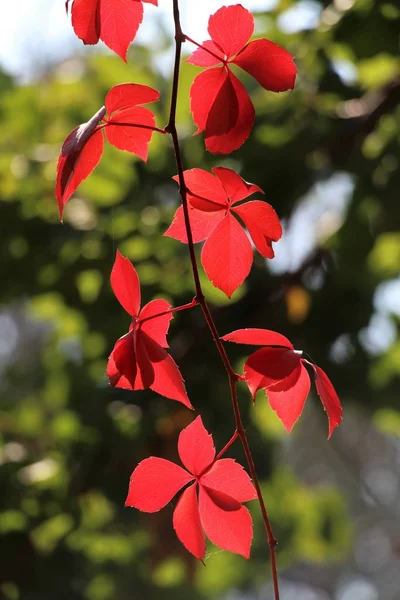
69, 441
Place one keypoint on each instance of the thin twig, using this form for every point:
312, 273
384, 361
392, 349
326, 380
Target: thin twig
191, 304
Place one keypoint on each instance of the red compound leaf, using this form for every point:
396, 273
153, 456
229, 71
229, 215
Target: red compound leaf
139, 359
227, 254
280, 370
114, 22
211, 505
127, 127
220, 104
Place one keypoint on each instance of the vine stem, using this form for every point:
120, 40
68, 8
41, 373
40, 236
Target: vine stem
200, 299
170, 311
138, 125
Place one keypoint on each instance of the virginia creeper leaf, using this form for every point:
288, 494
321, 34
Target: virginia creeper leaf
222, 109
168, 380
187, 525
127, 127
225, 521
227, 255
214, 509
280, 370
196, 447
227, 472
202, 225
209, 55
139, 359
220, 104
235, 187
268, 366
157, 328
75, 166
270, 64
230, 28
115, 22
257, 337
154, 483
125, 284
263, 225
329, 398
288, 402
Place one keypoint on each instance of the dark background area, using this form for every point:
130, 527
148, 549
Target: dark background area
327, 156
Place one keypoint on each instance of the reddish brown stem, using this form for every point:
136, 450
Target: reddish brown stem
227, 446
191, 304
232, 375
103, 125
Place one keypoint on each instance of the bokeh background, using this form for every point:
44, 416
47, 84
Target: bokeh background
327, 155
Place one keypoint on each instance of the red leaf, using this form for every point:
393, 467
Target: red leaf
231, 28
202, 224
205, 191
268, 366
76, 165
235, 187
220, 513
139, 360
156, 328
115, 22
262, 223
129, 128
271, 65
219, 103
279, 369
227, 476
154, 483
288, 402
187, 525
167, 378
257, 337
127, 95
86, 20
203, 92
222, 109
225, 521
129, 366
122, 365
196, 447
329, 398
227, 256
125, 284
202, 58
